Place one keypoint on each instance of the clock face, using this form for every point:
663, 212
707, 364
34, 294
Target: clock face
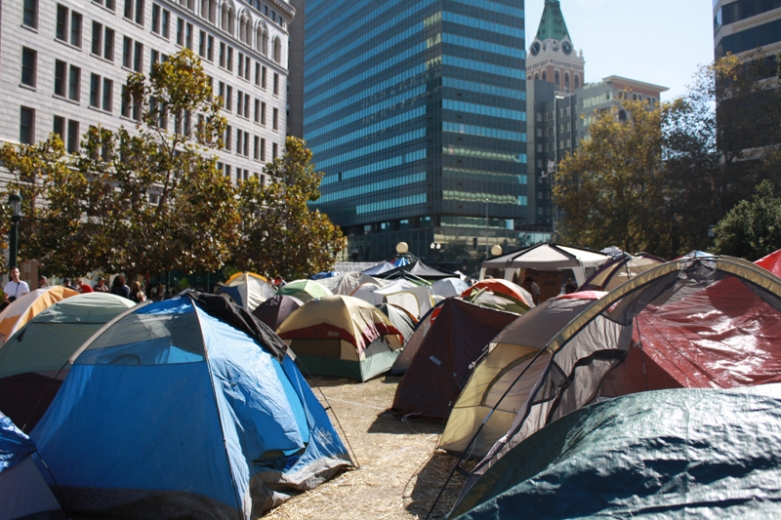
566, 47
535, 48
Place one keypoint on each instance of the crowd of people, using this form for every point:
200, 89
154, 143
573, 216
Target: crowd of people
17, 288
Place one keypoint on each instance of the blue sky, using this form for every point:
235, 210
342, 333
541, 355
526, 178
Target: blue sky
660, 42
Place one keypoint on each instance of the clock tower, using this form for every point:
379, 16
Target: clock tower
552, 56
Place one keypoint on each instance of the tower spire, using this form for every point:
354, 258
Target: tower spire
552, 24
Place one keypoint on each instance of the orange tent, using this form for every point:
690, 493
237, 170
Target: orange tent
19, 312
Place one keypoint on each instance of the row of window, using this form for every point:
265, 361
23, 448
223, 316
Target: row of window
133, 11
243, 144
367, 169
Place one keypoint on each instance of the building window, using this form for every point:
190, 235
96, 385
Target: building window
73, 136
227, 140
201, 44
29, 61
138, 62
30, 13
108, 91
108, 4
127, 52
277, 50
230, 58
577, 82
125, 109
223, 53
97, 38
263, 114
276, 84
59, 127
134, 11
180, 32
75, 38
241, 65
60, 72
274, 151
274, 121
262, 149
94, 91
27, 126
246, 147
263, 78
156, 18
61, 29
257, 111
229, 98
210, 48
188, 36
74, 83
256, 148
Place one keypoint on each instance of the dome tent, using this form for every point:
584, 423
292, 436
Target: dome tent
737, 344
188, 404
26, 307
24, 493
248, 290
275, 310
33, 362
342, 336
482, 414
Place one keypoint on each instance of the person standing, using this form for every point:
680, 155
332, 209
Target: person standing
15, 288
530, 285
136, 294
43, 283
82, 287
101, 287
119, 287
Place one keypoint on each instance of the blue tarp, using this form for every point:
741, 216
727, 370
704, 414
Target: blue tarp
665, 454
173, 406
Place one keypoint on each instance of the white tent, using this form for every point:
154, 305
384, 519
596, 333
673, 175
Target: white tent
547, 257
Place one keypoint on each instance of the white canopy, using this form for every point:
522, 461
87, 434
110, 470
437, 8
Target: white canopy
549, 257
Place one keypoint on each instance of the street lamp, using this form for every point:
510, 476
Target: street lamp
435, 247
15, 201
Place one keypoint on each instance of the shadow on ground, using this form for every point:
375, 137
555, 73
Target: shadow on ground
386, 422
429, 482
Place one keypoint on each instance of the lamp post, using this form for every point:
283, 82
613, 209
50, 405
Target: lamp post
15, 201
487, 249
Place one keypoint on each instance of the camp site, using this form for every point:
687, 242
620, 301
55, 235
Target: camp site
653, 389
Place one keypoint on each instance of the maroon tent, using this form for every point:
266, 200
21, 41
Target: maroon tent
441, 366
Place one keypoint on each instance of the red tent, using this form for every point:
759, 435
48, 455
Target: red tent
771, 262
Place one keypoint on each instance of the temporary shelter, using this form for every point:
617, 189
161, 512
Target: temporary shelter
345, 283
415, 297
187, 407
441, 366
416, 269
413, 343
342, 336
501, 286
618, 270
276, 309
305, 290
554, 259
34, 361
248, 290
771, 262
449, 287
24, 493
378, 269
26, 307
401, 319
664, 454
492, 397
703, 321
499, 301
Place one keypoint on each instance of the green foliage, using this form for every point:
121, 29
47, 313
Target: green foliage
281, 235
752, 229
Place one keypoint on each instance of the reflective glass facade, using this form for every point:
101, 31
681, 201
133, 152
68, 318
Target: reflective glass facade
416, 113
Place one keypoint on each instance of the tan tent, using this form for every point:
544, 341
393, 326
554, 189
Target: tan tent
509, 356
618, 271
19, 312
341, 336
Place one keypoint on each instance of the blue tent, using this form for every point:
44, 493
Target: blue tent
24, 493
191, 405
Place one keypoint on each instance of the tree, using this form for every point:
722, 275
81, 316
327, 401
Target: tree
145, 200
752, 229
281, 235
610, 189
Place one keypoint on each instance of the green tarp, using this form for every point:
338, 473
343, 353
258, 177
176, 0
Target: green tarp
665, 454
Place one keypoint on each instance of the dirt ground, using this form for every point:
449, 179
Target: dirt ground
400, 473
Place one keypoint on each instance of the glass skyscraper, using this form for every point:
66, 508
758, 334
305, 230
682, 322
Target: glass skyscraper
416, 112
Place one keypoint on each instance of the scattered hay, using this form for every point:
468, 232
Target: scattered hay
400, 471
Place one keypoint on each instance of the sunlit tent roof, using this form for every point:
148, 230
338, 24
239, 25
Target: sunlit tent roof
618, 270
342, 336
381, 268
550, 257
24, 493
19, 312
187, 405
663, 454
728, 324
501, 286
490, 401
248, 290
449, 287
417, 269
771, 262
499, 301
441, 365
305, 290
34, 361
345, 283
